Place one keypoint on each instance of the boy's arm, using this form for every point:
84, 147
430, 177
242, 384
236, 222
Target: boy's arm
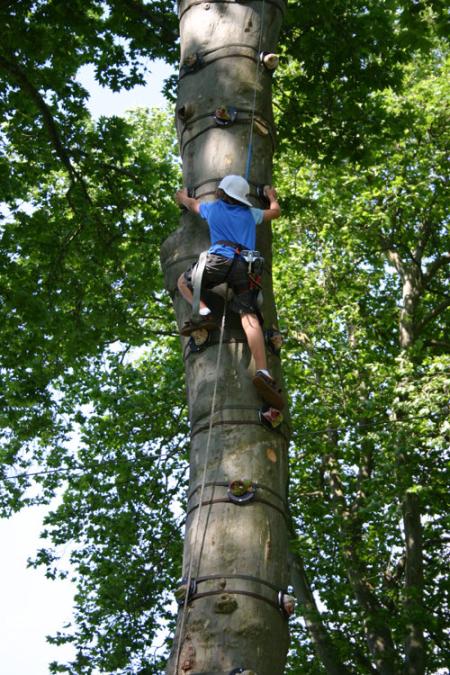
181, 198
274, 210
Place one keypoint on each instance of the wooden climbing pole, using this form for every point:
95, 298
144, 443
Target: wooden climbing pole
231, 617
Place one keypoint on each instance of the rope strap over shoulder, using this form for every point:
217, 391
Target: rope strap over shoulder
197, 285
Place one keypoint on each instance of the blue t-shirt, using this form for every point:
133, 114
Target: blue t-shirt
231, 222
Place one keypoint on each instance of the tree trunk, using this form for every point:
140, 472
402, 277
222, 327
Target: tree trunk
236, 553
414, 582
413, 278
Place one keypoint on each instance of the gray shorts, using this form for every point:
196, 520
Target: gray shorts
233, 271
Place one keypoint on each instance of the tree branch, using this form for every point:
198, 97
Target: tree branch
434, 267
432, 315
396, 260
17, 73
319, 634
438, 344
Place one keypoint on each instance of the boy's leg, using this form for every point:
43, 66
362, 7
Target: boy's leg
186, 291
205, 320
255, 339
263, 381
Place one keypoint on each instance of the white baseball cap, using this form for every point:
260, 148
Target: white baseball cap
236, 187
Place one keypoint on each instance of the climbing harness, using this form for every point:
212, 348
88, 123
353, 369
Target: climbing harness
197, 284
255, 262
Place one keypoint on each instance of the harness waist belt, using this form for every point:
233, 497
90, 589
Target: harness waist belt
249, 255
232, 244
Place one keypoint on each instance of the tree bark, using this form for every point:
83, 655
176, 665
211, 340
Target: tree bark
237, 554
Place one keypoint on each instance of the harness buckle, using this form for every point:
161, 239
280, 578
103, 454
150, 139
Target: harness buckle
254, 259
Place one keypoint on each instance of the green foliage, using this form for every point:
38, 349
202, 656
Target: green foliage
369, 417
117, 513
58, 309
337, 56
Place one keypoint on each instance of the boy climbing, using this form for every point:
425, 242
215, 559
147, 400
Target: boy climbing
232, 225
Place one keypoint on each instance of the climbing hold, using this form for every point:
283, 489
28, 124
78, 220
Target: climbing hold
261, 128
207, 322
271, 455
186, 111
274, 340
187, 655
191, 63
286, 602
224, 116
269, 60
268, 390
261, 195
182, 590
225, 604
241, 491
199, 340
190, 193
270, 417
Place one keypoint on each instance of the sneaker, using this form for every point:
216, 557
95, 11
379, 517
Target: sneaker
268, 390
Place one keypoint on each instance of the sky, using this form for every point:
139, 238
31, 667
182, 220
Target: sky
31, 605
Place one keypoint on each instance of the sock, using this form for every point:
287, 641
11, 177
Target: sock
264, 372
205, 311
